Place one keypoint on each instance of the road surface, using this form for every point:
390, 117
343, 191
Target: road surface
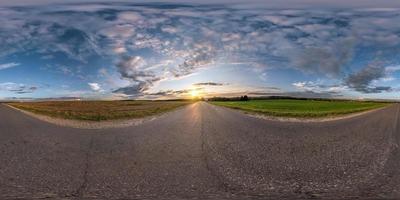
202, 152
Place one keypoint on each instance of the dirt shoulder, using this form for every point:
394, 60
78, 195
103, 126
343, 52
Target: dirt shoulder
82, 124
294, 119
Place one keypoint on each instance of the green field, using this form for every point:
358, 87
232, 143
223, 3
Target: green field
301, 108
99, 110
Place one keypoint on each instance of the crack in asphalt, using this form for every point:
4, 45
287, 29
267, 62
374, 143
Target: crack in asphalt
79, 191
396, 123
391, 172
222, 185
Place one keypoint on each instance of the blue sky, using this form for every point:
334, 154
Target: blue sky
118, 50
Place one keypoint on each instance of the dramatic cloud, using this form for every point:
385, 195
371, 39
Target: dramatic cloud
361, 80
135, 69
8, 65
133, 89
145, 44
132, 68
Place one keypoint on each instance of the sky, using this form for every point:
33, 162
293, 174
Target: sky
180, 49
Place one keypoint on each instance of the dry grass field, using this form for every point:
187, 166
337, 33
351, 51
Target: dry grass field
99, 110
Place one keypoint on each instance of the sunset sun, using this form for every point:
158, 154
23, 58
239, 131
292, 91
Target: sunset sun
194, 94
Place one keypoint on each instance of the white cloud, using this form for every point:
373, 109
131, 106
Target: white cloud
388, 79
7, 85
318, 87
119, 50
338, 88
8, 65
393, 68
124, 31
130, 16
169, 29
17, 88
95, 87
299, 85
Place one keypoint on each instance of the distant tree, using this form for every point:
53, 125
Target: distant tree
244, 98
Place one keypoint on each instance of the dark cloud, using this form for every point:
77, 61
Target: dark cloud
169, 93
328, 60
17, 88
133, 68
305, 94
310, 94
209, 84
134, 89
361, 80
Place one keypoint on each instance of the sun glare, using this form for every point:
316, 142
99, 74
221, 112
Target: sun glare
194, 93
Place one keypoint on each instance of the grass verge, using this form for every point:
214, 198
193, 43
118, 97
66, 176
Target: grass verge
301, 108
99, 110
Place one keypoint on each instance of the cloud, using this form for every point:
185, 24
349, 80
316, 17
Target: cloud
8, 65
135, 69
393, 68
315, 87
130, 16
151, 42
119, 50
302, 94
328, 60
65, 70
134, 89
367, 4
361, 80
95, 87
201, 55
170, 29
170, 93
17, 88
209, 84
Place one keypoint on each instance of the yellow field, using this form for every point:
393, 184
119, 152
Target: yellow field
99, 110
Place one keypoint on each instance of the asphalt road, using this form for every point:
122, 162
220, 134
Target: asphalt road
202, 152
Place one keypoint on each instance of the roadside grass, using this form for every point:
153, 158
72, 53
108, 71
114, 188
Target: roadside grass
99, 110
301, 108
